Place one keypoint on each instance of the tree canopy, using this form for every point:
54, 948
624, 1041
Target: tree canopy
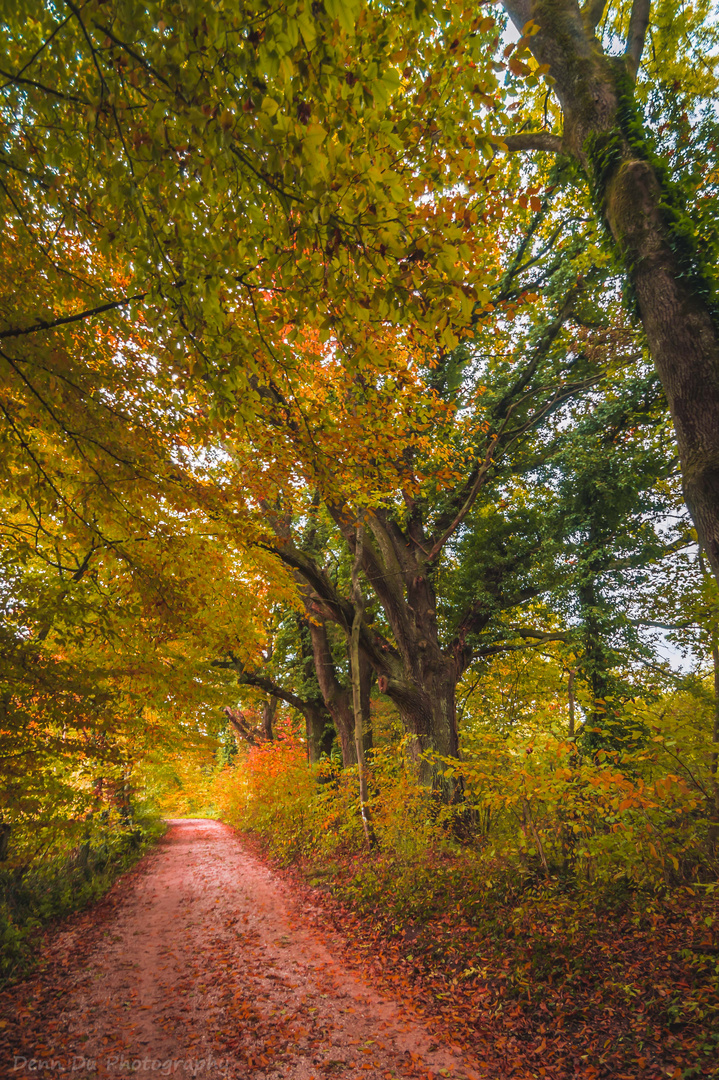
349, 352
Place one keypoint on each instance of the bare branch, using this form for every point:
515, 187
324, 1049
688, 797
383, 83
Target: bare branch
137, 57
269, 686
638, 24
530, 140
539, 635
17, 80
502, 414
471, 495
665, 626
87, 314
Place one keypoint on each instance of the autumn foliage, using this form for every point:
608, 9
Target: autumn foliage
563, 886
323, 409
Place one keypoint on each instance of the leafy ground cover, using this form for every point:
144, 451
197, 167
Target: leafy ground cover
533, 980
34, 894
562, 920
199, 963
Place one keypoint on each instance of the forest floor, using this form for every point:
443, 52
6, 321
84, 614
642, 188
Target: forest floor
531, 978
202, 962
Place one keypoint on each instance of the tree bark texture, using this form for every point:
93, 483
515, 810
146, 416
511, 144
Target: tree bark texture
417, 674
320, 733
714, 759
356, 673
604, 132
337, 698
269, 709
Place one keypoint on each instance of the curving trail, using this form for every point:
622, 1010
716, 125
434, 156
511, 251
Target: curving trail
197, 965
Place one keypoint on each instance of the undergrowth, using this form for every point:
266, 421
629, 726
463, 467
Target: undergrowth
567, 898
34, 892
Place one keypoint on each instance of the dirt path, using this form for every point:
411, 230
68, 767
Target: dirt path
197, 966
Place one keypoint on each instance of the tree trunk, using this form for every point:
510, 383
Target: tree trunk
318, 719
428, 711
410, 664
356, 672
604, 131
714, 759
336, 697
320, 733
366, 676
417, 675
268, 715
595, 666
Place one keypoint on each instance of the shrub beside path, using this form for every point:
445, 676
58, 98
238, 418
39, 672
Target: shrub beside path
196, 964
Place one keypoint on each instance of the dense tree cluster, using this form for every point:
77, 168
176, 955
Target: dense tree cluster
351, 354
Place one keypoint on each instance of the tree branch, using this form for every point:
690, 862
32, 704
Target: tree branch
87, 314
329, 603
17, 80
664, 626
501, 414
530, 140
519, 11
269, 686
471, 497
638, 24
174, 90
539, 635
240, 724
